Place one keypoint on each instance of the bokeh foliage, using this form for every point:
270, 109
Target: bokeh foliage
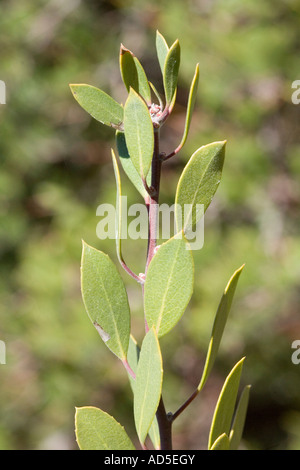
56, 169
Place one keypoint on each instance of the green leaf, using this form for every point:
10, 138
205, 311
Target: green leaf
97, 430
139, 133
147, 389
133, 355
169, 284
198, 183
133, 74
219, 325
105, 299
133, 359
222, 443
118, 208
128, 69
171, 69
237, 429
129, 167
226, 403
162, 50
98, 104
190, 105
160, 101
154, 434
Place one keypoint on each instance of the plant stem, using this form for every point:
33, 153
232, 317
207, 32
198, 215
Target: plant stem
164, 422
130, 272
165, 426
128, 368
185, 405
154, 198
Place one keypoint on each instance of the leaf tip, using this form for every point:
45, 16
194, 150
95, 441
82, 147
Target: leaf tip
123, 49
236, 275
240, 269
84, 244
241, 361
73, 87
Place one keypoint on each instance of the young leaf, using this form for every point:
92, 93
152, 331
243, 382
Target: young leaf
221, 443
171, 69
134, 75
105, 300
118, 207
97, 430
147, 388
162, 50
190, 105
118, 220
219, 325
133, 359
98, 104
225, 406
128, 69
159, 99
128, 166
199, 182
236, 432
169, 284
139, 133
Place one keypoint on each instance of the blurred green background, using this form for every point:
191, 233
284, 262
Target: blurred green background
56, 169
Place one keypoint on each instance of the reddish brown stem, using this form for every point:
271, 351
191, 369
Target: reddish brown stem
163, 419
185, 405
154, 197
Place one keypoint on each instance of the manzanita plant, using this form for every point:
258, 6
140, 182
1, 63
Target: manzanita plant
167, 282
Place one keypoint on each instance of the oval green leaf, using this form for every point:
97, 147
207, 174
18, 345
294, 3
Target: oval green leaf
223, 413
120, 229
133, 359
118, 209
139, 134
148, 384
169, 284
128, 166
97, 430
237, 429
198, 183
105, 300
171, 69
98, 104
190, 105
162, 50
133, 74
222, 443
219, 325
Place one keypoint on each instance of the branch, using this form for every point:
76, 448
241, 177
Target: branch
185, 405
